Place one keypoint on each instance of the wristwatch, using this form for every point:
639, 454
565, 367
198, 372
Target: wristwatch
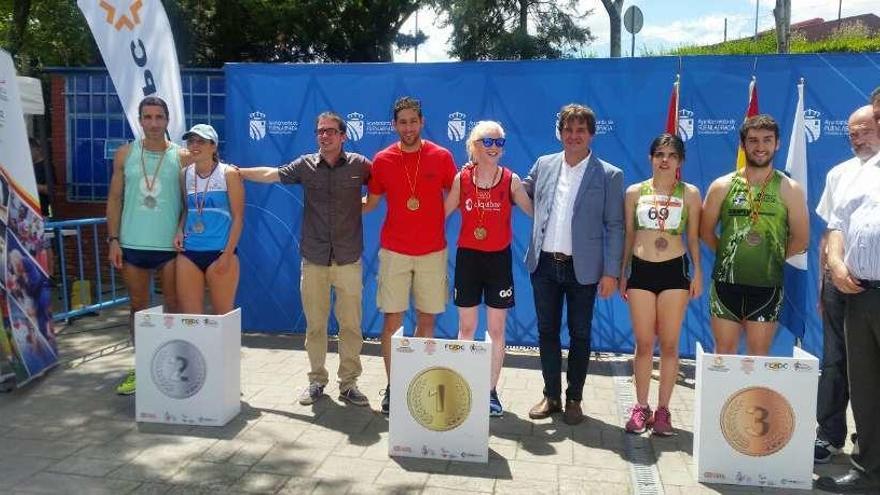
112, 238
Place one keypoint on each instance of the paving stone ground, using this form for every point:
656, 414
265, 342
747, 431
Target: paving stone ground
68, 432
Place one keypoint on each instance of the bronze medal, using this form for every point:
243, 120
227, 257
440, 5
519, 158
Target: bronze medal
661, 243
757, 421
754, 239
412, 204
150, 202
480, 233
198, 227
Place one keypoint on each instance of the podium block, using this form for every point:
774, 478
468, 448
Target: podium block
188, 367
439, 398
755, 419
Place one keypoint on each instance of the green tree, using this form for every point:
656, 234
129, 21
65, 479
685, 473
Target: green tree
211, 32
513, 29
44, 33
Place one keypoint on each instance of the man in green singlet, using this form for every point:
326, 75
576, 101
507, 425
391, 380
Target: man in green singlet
763, 220
143, 209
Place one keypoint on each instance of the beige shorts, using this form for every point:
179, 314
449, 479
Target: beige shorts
425, 276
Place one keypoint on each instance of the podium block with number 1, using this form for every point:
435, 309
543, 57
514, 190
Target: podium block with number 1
439, 398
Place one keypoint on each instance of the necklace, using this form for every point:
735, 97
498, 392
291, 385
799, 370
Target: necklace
480, 231
199, 225
662, 214
754, 238
150, 199
412, 204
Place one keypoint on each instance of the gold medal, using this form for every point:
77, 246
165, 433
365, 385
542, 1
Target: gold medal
439, 399
753, 238
198, 227
480, 233
412, 204
661, 243
150, 202
757, 421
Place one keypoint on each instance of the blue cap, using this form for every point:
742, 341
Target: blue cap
204, 130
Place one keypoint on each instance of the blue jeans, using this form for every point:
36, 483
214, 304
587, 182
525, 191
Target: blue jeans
554, 282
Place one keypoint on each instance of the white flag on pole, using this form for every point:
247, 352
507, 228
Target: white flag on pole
796, 163
138, 49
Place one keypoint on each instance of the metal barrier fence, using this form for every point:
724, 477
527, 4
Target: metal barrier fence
81, 254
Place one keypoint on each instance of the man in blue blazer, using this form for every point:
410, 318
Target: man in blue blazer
575, 252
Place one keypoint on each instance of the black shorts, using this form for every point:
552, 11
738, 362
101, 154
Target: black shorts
659, 276
483, 276
202, 259
147, 259
737, 302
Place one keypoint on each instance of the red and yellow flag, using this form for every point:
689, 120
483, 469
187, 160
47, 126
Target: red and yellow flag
751, 111
672, 114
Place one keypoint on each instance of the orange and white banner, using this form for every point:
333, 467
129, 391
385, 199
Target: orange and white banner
135, 39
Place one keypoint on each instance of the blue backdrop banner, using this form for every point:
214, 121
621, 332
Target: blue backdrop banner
271, 110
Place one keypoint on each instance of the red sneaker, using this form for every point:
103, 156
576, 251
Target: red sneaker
639, 419
663, 422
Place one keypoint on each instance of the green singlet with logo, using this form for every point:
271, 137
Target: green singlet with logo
752, 254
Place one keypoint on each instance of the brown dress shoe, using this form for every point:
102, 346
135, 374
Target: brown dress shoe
545, 408
573, 413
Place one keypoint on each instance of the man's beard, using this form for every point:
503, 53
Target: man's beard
764, 164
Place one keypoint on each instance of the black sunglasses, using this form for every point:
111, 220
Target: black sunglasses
487, 142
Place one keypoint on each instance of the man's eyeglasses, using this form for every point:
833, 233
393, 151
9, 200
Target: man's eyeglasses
330, 131
487, 142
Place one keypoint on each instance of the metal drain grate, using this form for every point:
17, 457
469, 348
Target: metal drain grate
643, 471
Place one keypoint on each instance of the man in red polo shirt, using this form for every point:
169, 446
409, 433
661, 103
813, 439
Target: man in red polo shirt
412, 174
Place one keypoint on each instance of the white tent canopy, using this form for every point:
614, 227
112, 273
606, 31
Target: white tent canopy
31, 96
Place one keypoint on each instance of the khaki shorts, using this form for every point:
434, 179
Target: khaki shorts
426, 276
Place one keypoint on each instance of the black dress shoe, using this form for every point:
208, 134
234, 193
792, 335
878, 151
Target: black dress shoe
855, 481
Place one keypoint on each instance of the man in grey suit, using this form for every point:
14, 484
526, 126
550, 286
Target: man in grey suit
575, 252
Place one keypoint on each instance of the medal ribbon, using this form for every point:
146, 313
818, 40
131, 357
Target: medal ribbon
412, 181
150, 183
200, 204
755, 206
481, 209
661, 221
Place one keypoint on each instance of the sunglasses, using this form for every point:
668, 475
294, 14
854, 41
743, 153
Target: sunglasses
330, 131
487, 142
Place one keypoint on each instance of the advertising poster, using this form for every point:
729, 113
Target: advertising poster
27, 338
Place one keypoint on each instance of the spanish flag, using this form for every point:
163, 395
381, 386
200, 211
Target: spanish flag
751, 111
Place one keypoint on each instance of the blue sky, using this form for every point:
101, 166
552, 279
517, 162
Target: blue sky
668, 23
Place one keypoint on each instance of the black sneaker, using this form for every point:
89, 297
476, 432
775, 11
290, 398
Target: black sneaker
386, 401
823, 451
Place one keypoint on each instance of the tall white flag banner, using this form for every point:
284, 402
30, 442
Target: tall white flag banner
135, 39
796, 162
15, 154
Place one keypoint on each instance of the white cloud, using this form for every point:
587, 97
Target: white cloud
435, 47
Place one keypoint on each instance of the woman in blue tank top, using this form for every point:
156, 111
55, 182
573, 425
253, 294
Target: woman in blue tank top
209, 228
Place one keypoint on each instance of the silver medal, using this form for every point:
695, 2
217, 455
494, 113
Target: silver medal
150, 202
178, 369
